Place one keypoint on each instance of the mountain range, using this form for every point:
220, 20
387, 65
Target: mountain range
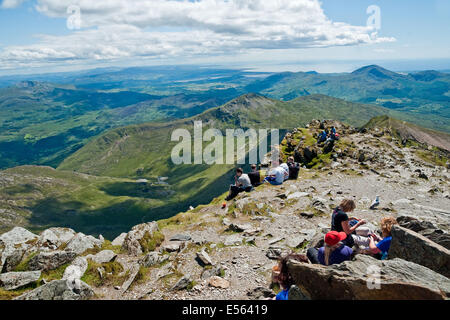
114, 181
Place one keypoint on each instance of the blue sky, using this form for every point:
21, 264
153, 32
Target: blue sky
293, 35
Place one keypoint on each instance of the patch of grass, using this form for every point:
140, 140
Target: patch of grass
433, 158
23, 265
55, 274
142, 276
105, 246
111, 275
320, 161
150, 242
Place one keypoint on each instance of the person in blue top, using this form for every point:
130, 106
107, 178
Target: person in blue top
380, 246
322, 136
334, 251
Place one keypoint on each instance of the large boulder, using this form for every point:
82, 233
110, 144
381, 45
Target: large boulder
59, 290
135, 240
81, 242
366, 278
76, 269
152, 258
15, 280
103, 256
426, 229
118, 241
53, 238
412, 246
17, 235
50, 260
13, 245
11, 256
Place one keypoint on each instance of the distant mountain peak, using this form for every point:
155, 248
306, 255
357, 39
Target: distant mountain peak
376, 71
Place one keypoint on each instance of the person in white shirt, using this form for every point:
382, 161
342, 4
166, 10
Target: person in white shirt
276, 176
242, 184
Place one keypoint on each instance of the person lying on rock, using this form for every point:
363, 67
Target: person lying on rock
333, 252
380, 246
340, 221
242, 184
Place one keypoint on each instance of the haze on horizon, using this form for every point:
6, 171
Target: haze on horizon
40, 36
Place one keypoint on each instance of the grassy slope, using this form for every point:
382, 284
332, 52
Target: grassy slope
43, 124
110, 205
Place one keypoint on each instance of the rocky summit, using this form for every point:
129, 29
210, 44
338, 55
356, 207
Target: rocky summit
228, 252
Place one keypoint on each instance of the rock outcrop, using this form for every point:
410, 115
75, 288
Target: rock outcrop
16, 280
59, 290
409, 245
81, 242
50, 260
358, 280
134, 242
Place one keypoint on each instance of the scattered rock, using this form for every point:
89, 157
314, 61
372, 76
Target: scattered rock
183, 283
296, 242
214, 271
103, 256
180, 237
53, 238
134, 270
172, 247
308, 215
15, 280
16, 236
119, 240
275, 240
59, 290
218, 282
50, 260
76, 270
204, 258
232, 240
132, 240
81, 242
239, 227
151, 259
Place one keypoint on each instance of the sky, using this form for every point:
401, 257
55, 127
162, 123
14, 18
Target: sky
263, 35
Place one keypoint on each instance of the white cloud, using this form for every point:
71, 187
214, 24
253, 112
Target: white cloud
10, 4
116, 29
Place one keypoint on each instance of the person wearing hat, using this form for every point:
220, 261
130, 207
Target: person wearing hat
333, 252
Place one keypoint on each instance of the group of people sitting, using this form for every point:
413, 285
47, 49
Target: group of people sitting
348, 237
245, 182
283, 172
327, 135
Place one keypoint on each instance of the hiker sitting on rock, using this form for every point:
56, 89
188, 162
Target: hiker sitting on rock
242, 184
340, 221
322, 136
333, 252
294, 168
283, 277
255, 176
285, 168
276, 176
380, 246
